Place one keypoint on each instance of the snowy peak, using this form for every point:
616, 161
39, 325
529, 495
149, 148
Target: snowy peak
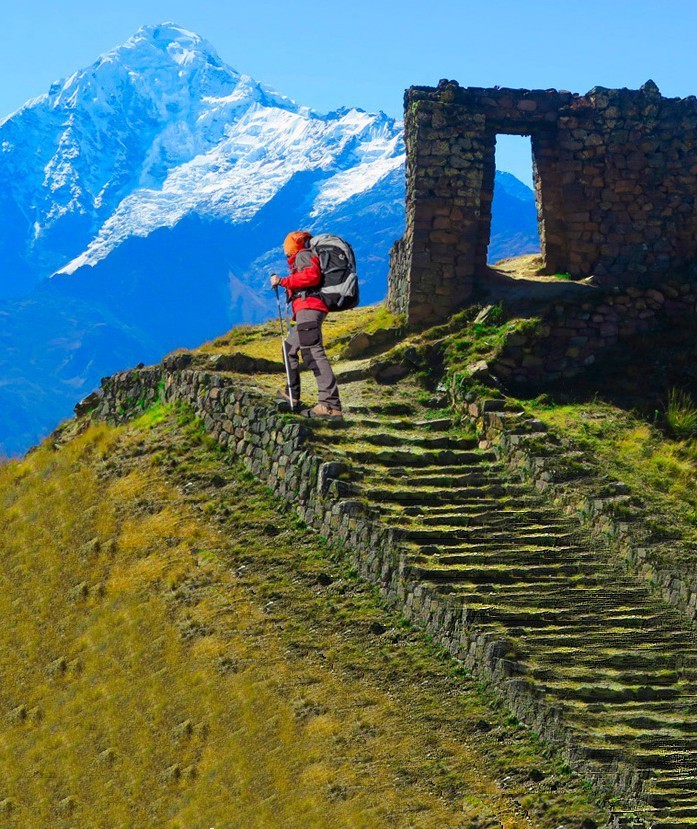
159, 183
158, 129
163, 61
180, 45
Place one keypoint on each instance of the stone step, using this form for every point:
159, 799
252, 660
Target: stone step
642, 740
364, 423
383, 409
599, 636
475, 477
671, 802
373, 422
556, 596
524, 542
675, 818
663, 811
505, 553
655, 677
609, 724
406, 441
496, 574
612, 694
520, 535
675, 804
548, 579
671, 756
445, 547
461, 495
517, 611
627, 628
533, 549
574, 622
489, 510
630, 658
393, 472
520, 602
404, 457
584, 589
495, 523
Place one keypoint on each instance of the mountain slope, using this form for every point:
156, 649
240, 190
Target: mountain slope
177, 652
492, 548
144, 203
71, 155
514, 219
159, 129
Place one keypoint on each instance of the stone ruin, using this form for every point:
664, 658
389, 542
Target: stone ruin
615, 175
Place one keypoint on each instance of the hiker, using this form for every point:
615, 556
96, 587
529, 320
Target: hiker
309, 312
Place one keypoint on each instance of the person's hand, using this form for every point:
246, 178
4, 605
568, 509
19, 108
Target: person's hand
275, 280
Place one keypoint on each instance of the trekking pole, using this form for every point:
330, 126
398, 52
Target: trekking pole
283, 348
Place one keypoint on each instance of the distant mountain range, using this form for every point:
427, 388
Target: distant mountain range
144, 201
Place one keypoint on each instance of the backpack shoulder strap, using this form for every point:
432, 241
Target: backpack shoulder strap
303, 259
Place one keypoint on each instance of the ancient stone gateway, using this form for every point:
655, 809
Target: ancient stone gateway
615, 175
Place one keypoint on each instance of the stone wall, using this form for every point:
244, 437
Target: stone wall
550, 463
615, 181
281, 455
570, 336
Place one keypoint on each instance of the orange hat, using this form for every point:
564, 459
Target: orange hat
295, 241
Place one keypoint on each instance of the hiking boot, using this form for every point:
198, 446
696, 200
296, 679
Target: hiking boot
282, 394
322, 410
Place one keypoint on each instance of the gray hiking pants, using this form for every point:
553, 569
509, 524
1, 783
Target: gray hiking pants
306, 337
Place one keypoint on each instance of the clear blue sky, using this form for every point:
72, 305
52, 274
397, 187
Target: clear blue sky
389, 44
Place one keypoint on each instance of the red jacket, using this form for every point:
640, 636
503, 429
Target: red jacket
304, 274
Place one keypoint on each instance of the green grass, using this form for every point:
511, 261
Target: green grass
482, 341
659, 464
177, 650
264, 340
659, 469
681, 415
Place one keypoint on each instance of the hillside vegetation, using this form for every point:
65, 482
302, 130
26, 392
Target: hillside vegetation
653, 450
659, 467
179, 651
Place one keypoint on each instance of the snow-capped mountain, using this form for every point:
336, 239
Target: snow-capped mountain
157, 130
144, 202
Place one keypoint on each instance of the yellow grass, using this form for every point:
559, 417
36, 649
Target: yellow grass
264, 340
143, 683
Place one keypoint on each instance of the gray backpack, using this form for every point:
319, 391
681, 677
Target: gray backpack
339, 288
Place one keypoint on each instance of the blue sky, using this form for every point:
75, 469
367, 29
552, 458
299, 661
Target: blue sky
361, 53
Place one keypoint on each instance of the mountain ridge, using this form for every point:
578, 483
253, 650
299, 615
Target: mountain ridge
151, 195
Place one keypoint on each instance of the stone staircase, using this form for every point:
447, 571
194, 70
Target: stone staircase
615, 663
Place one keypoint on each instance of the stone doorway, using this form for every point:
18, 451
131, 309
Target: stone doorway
546, 191
615, 187
514, 229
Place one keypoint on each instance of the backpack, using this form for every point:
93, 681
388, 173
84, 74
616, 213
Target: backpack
337, 262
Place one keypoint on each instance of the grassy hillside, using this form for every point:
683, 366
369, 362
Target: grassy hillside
659, 467
651, 448
177, 650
